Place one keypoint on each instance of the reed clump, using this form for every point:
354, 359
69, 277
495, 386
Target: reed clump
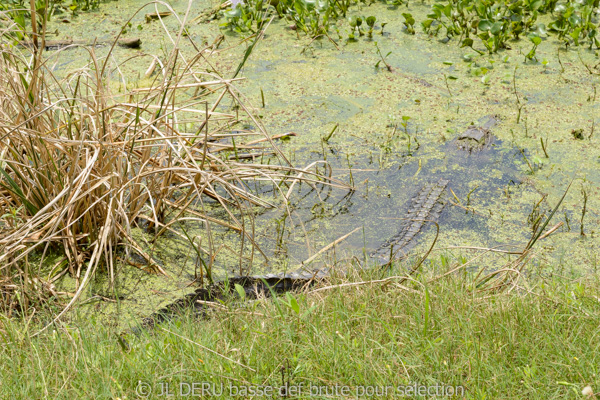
82, 164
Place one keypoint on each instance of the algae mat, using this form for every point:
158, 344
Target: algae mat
395, 133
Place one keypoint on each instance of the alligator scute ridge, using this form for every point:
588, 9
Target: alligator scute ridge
426, 206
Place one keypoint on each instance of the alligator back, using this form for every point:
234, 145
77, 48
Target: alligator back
426, 206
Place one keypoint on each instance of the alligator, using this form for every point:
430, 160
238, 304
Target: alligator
254, 287
477, 138
426, 207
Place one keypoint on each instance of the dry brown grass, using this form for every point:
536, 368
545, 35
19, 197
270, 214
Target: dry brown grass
82, 164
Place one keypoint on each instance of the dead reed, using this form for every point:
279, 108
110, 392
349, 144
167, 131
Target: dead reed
82, 164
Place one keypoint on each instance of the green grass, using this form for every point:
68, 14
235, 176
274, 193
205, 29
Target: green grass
539, 343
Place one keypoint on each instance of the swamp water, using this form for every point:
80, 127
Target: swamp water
310, 87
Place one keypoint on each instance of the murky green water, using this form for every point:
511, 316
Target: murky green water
309, 88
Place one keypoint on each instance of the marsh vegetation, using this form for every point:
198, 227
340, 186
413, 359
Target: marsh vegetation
130, 177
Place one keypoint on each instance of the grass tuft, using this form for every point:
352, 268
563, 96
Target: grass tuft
536, 344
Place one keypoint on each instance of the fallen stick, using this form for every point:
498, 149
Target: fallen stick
329, 246
133, 43
154, 16
353, 284
211, 13
282, 136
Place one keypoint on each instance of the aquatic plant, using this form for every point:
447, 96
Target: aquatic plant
518, 102
451, 77
21, 9
584, 193
382, 58
409, 23
577, 133
536, 40
404, 123
246, 17
544, 144
507, 276
355, 23
314, 18
495, 22
326, 138
371, 24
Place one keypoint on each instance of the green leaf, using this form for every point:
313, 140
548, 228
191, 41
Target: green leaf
246, 55
574, 20
274, 295
235, 13
468, 42
293, 303
305, 313
17, 191
560, 8
575, 35
496, 28
241, 292
536, 40
484, 25
19, 18
516, 18
427, 310
447, 10
541, 29
409, 18
476, 72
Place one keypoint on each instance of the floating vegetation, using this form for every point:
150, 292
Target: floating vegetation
494, 23
19, 8
312, 17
